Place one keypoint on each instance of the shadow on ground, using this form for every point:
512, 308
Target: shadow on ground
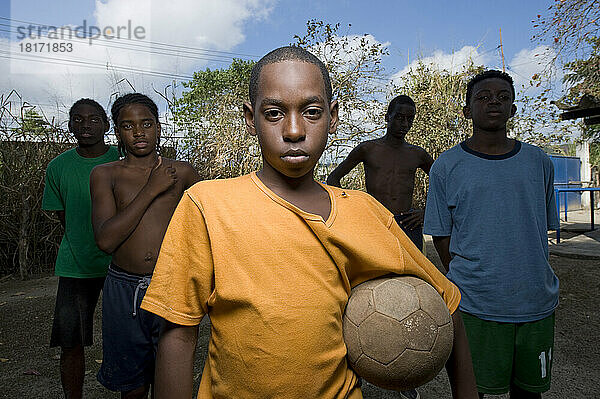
29, 368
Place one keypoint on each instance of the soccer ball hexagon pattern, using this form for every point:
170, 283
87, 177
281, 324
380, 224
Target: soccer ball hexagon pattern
398, 332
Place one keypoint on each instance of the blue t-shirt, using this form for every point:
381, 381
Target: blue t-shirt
497, 210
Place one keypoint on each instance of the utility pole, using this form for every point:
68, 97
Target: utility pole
502, 51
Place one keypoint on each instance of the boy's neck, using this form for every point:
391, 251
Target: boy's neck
281, 184
92, 151
303, 192
490, 143
145, 162
396, 141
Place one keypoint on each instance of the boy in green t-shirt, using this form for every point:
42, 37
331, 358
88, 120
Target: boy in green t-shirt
80, 265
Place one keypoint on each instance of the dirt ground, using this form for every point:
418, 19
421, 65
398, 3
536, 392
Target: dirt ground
29, 368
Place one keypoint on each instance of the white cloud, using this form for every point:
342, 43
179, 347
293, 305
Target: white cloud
208, 24
529, 62
452, 61
523, 65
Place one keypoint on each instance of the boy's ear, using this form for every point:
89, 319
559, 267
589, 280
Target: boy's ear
118, 135
249, 118
119, 142
467, 111
334, 113
387, 117
106, 126
513, 110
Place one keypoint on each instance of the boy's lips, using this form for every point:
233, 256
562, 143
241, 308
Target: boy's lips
295, 156
140, 144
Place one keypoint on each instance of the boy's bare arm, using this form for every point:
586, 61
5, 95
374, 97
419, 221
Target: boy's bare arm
111, 228
427, 162
416, 217
175, 361
191, 177
460, 366
442, 246
355, 157
61, 218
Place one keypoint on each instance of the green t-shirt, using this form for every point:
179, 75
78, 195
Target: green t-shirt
68, 189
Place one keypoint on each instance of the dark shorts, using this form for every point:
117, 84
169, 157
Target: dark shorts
511, 353
415, 235
129, 334
76, 301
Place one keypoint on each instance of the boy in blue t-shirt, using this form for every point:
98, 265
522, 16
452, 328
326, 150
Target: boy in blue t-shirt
80, 265
489, 207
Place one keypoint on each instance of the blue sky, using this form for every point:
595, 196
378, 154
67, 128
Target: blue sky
419, 29
415, 27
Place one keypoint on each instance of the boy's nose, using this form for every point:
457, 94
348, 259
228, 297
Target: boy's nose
495, 99
138, 131
294, 130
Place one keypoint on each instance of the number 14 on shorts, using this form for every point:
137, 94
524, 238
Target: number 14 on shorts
545, 362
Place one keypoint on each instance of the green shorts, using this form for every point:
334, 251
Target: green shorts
510, 353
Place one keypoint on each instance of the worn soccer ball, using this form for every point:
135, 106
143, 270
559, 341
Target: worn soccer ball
398, 332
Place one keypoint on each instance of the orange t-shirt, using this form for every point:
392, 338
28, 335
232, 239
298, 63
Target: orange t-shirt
275, 281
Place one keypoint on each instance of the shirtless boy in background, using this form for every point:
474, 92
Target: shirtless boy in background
133, 200
390, 164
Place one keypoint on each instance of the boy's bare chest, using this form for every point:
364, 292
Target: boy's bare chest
387, 160
129, 184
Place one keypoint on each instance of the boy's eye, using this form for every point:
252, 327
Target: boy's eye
95, 120
147, 124
273, 114
504, 97
313, 113
76, 119
126, 126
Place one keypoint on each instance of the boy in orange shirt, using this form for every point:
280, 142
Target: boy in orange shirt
272, 257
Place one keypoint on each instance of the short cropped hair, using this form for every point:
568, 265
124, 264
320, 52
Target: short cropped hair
288, 53
490, 74
132, 98
90, 102
401, 99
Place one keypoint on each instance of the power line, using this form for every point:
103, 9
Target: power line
139, 45
175, 53
502, 51
509, 67
151, 43
85, 64
132, 47
527, 63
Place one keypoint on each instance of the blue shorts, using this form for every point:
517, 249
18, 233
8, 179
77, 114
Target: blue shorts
129, 334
